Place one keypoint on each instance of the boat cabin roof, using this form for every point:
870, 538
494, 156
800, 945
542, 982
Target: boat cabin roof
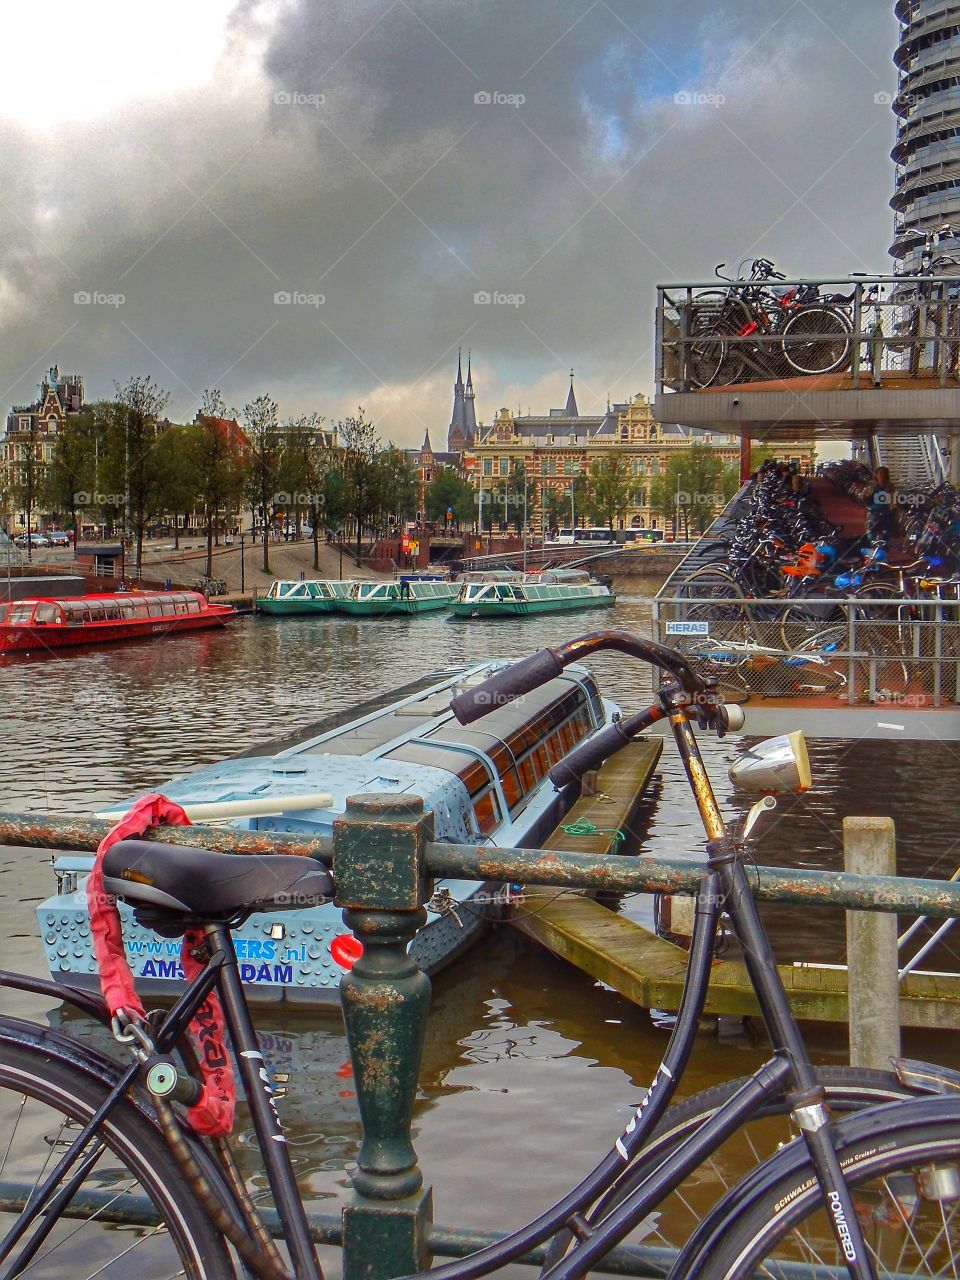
120, 606
474, 779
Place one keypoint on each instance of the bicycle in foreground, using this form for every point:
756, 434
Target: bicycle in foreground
86, 1139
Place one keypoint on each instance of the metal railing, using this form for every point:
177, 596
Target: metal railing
865, 330
385, 858
903, 652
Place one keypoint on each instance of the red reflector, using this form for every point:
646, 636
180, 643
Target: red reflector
346, 950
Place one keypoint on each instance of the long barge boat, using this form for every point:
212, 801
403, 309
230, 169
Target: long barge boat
513, 595
103, 618
485, 784
314, 595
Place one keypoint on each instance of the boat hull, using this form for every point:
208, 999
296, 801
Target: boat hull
527, 608
27, 639
283, 607
381, 608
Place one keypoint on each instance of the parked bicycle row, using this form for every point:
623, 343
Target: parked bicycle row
758, 326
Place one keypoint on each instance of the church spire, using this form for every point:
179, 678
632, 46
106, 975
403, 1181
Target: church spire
456, 432
571, 410
469, 408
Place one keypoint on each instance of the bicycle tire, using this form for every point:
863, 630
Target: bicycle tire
817, 340
805, 619
901, 1164
715, 584
848, 1089
715, 324
43, 1097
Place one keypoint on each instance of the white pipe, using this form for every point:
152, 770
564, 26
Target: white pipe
262, 807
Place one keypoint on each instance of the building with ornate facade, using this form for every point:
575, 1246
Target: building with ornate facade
30, 435
550, 451
553, 450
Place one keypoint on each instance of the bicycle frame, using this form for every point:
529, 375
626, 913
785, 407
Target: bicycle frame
724, 883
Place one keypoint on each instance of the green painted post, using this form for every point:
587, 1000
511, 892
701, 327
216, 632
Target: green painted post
382, 884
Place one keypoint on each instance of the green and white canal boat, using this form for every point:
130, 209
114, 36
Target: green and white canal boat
512, 595
315, 596
406, 595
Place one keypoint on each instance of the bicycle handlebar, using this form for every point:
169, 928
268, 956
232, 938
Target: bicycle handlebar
529, 673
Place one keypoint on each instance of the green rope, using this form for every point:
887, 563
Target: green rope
583, 827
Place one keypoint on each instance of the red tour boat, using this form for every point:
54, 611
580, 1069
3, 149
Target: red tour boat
102, 618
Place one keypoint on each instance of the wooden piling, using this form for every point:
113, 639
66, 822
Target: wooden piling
869, 848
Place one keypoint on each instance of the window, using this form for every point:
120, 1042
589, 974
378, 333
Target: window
488, 466
504, 466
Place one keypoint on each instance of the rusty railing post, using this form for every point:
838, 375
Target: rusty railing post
382, 884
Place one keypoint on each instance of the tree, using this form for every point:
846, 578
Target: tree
554, 507
262, 462
180, 470
305, 460
448, 491
701, 493
359, 444
72, 474
610, 488
396, 486
139, 404
215, 467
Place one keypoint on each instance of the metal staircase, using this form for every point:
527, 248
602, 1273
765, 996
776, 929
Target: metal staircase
913, 461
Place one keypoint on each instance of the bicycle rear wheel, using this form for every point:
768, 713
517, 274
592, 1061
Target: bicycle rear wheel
817, 340
904, 1173
44, 1103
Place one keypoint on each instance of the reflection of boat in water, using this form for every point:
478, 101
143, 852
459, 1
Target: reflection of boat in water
513, 595
309, 1062
406, 595
484, 784
310, 596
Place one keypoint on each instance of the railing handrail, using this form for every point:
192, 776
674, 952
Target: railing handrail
557, 867
858, 281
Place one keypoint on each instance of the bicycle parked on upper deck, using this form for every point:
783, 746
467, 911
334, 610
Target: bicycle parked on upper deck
871, 1194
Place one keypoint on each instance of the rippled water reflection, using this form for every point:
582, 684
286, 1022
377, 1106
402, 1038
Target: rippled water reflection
530, 1067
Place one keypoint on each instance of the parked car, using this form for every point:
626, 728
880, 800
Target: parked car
58, 538
36, 539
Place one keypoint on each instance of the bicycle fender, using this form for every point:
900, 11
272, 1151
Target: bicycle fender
926, 1077
884, 1123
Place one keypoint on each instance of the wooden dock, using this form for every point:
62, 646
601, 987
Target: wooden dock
651, 971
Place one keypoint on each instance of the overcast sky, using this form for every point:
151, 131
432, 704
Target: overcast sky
396, 158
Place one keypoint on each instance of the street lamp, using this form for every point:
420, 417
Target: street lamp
243, 582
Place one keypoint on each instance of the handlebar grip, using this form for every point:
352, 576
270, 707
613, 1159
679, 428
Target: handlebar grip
506, 686
592, 753
589, 755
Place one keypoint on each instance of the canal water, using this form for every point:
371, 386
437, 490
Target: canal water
531, 1068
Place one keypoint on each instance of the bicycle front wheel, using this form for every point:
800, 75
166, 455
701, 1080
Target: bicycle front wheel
905, 1177
132, 1216
817, 340
688, 1206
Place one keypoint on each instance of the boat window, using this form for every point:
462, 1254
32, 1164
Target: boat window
168, 607
111, 610
193, 605
153, 607
95, 611
48, 613
21, 614
472, 772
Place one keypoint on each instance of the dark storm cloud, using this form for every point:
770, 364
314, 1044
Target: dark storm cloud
399, 157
